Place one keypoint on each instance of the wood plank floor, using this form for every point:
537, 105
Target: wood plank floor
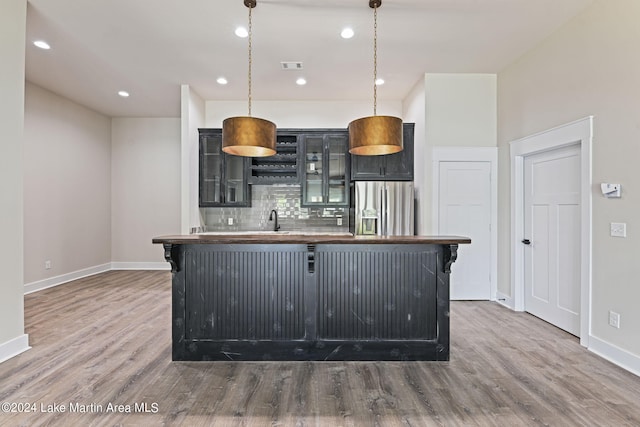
106, 340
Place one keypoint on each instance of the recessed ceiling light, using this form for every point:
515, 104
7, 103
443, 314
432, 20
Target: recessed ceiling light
347, 33
123, 93
242, 32
301, 81
379, 82
222, 81
42, 44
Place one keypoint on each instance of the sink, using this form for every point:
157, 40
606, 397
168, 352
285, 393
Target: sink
318, 233
275, 233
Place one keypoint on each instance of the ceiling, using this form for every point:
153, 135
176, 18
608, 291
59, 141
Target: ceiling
150, 47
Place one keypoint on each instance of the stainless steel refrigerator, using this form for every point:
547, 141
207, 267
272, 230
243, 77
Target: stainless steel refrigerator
384, 208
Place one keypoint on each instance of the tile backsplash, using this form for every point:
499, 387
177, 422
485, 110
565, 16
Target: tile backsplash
285, 199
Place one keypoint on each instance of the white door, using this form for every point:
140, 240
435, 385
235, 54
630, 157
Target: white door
465, 210
552, 237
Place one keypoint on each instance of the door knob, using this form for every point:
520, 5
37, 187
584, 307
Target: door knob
526, 241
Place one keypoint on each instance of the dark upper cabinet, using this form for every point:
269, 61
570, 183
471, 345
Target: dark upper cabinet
325, 173
223, 177
389, 167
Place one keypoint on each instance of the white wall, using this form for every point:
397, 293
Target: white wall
414, 112
145, 189
450, 110
13, 18
590, 66
300, 114
97, 190
461, 110
192, 117
67, 186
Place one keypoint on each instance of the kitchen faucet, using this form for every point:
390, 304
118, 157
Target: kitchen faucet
273, 213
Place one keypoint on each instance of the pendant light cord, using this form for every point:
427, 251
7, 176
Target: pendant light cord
375, 59
249, 76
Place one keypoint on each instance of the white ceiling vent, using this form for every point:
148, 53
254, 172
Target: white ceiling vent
291, 65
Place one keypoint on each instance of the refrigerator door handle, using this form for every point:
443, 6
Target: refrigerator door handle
392, 211
385, 212
381, 207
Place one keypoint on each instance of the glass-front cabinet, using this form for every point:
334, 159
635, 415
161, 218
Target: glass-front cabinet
325, 178
312, 183
223, 177
338, 183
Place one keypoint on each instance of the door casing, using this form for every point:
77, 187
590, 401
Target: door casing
578, 132
470, 154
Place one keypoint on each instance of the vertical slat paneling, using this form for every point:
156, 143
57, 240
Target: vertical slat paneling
243, 294
376, 294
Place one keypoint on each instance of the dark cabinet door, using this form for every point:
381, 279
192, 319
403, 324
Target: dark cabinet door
389, 167
235, 184
399, 166
210, 170
337, 189
367, 168
223, 177
325, 174
313, 177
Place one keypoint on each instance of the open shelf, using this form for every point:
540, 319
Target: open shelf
281, 168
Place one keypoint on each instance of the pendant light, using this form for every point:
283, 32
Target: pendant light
375, 135
249, 136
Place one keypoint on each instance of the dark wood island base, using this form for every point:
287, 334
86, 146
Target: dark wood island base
297, 297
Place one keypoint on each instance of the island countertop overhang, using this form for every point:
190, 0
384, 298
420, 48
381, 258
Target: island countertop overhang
275, 238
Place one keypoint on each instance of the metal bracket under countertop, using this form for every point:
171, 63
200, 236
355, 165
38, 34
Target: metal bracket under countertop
311, 258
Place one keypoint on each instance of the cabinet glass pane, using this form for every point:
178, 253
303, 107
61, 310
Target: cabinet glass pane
337, 169
234, 191
314, 168
211, 170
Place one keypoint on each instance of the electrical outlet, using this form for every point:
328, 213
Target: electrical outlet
618, 229
339, 220
47, 265
614, 319
230, 221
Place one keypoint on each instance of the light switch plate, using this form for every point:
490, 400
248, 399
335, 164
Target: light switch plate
618, 229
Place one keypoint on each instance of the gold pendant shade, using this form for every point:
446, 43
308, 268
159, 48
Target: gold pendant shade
248, 137
375, 136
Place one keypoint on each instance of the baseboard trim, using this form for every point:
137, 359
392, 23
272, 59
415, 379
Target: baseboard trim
64, 278
14, 347
74, 275
615, 355
507, 301
140, 266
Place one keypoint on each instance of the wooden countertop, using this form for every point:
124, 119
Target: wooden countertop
191, 239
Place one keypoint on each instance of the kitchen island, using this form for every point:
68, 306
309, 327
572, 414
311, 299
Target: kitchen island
279, 296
